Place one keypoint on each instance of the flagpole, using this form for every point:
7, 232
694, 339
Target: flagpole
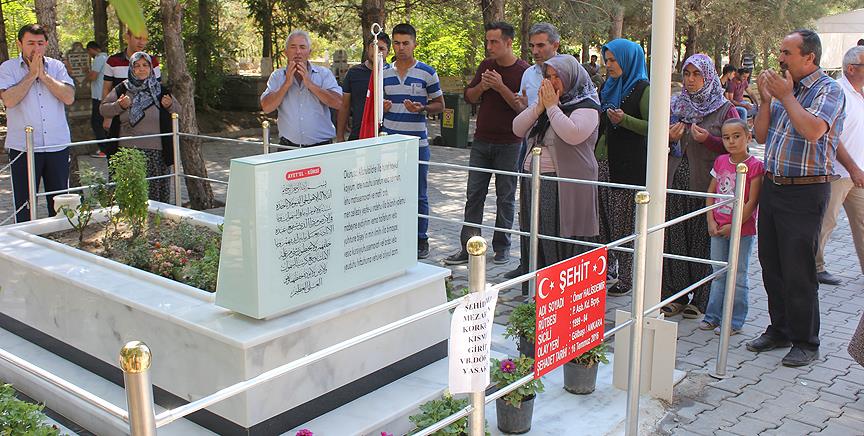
378, 84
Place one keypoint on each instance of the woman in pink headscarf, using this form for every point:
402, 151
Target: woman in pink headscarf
697, 115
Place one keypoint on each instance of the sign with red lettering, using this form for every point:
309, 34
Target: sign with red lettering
302, 174
571, 308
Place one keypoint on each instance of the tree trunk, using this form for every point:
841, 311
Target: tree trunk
4, 47
692, 44
46, 15
121, 33
267, 33
718, 57
616, 28
408, 8
371, 12
203, 49
586, 48
200, 191
524, 27
736, 44
100, 23
493, 10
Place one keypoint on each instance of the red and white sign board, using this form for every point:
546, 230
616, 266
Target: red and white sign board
571, 308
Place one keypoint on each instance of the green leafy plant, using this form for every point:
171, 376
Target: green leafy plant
21, 418
593, 356
433, 411
507, 371
133, 252
522, 322
168, 261
202, 273
129, 170
102, 193
79, 216
185, 234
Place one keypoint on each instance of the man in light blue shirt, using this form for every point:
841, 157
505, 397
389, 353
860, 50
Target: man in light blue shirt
34, 89
96, 77
303, 94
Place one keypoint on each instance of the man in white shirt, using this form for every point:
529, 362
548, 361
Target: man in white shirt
848, 191
96, 77
543, 39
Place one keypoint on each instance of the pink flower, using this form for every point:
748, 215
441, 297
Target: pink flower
508, 366
304, 432
384, 433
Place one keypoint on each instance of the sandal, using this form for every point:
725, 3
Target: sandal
705, 325
672, 309
690, 312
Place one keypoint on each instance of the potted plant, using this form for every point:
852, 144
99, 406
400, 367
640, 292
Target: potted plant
580, 374
515, 409
521, 327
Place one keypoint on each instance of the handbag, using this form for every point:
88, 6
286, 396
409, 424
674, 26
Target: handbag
856, 345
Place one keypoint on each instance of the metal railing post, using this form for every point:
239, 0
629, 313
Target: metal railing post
535, 218
31, 172
265, 135
476, 248
635, 364
731, 270
135, 362
175, 128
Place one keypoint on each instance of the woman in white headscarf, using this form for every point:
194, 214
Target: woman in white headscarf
139, 101
564, 124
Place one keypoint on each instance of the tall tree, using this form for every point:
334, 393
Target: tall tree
200, 191
203, 50
524, 27
4, 46
371, 11
493, 10
616, 27
46, 15
100, 23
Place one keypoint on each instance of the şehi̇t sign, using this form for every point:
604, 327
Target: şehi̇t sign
571, 307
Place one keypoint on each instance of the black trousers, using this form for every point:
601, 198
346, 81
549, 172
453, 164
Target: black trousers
51, 168
790, 219
96, 123
284, 141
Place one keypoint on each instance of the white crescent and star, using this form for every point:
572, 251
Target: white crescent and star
542, 286
603, 268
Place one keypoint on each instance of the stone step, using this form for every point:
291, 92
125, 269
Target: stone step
69, 406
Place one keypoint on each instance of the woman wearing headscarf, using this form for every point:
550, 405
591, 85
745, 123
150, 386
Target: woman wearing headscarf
697, 115
137, 102
622, 152
563, 123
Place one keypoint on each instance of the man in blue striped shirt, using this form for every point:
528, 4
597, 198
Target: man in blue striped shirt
800, 129
412, 90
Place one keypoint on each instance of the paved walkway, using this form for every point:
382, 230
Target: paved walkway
762, 397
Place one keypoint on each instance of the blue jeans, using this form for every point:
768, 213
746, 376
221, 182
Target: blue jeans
742, 112
422, 196
720, 251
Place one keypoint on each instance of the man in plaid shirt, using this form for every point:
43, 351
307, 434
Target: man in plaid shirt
800, 129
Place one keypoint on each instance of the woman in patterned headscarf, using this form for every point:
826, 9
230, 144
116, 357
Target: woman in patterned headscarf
697, 115
563, 124
137, 101
622, 150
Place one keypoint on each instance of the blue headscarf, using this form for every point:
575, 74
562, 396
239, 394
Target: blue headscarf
631, 58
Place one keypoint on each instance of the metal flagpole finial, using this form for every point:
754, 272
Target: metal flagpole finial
376, 29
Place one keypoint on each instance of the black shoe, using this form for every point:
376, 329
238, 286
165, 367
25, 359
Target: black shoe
766, 343
501, 257
422, 248
457, 259
798, 356
512, 274
826, 278
616, 290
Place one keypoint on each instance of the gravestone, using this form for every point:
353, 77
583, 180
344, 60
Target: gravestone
340, 64
78, 63
78, 114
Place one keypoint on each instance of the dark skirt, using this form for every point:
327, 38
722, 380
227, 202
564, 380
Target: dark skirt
617, 218
548, 252
688, 238
157, 190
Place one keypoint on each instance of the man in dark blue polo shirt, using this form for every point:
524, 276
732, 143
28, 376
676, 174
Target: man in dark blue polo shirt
354, 88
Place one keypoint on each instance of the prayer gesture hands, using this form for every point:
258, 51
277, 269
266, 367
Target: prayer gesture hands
522, 99
413, 106
491, 80
699, 134
37, 67
772, 84
124, 101
676, 131
166, 101
548, 95
615, 115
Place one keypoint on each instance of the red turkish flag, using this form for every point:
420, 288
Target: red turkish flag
367, 126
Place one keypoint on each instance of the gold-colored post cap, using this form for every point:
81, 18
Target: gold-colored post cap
175, 115
536, 151
265, 124
28, 129
476, 246
135, 357
741, 168
643, 197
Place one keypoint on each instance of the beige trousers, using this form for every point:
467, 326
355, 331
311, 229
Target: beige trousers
843, 193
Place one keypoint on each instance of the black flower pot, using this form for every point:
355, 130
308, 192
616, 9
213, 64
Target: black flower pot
526, 347
580, 379
514, 420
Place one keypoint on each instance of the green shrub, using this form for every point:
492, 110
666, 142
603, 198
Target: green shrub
202, 273
187, 235
21, 418
133, 252
433, 411
593, 356
508, 371
129, 170
522, 322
